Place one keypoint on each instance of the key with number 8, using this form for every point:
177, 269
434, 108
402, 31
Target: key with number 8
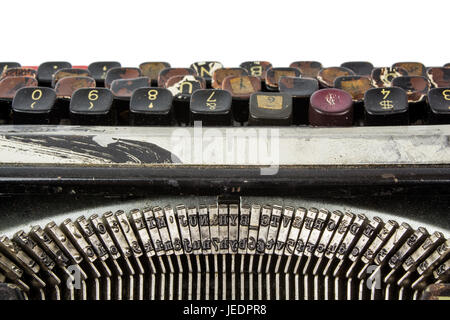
151, 106
439, 102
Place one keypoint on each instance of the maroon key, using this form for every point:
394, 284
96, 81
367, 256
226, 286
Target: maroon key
121, 73
19, 72
439, 77
331, 107
168, 73
67, 86
9, 86
326, 76
308, 69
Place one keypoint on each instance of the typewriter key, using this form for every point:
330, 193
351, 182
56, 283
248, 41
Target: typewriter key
123, 88
182, 88
211, 107
386, 107
256, 68
220, 75
8, 88
7, 65
206, 69
167, 73
92, 106
64, 90
34, 106
331, 107
439, 77
120, 73
447, 65
326, 76
241, 88
439, 102
382, 77
360, 68
356, 86
413, 68
47, 69
308, 69
152, 70
416, 88
99, 69
72, 72
273, 76
301, 90
67, 86
19, 72
270, 109
151, 106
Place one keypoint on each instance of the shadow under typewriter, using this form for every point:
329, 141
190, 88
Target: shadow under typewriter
384, 247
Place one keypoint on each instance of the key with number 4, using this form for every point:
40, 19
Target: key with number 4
385, 107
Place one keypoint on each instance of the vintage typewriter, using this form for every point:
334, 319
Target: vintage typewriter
209, 182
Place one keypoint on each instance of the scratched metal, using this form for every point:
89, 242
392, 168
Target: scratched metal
284, 146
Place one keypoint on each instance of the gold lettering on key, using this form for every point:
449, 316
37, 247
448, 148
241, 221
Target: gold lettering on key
270, 102
36, 97
92, 96
211, 103
256, 70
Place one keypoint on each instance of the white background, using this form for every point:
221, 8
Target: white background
232, 31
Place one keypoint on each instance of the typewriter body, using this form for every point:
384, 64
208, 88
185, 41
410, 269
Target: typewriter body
254, 182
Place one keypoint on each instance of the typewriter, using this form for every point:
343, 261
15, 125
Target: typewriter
208, 182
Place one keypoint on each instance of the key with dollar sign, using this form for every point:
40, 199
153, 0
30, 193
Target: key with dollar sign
385, 106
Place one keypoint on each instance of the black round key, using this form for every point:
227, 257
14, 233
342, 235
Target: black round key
211, 107
151, 106
47, 69
301, 90
34, 105
270, 109
92, 106
99, 69
360, 68
386, 106
439, 101
416, 87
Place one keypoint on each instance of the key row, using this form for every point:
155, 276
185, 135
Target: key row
213, 72
134, 102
